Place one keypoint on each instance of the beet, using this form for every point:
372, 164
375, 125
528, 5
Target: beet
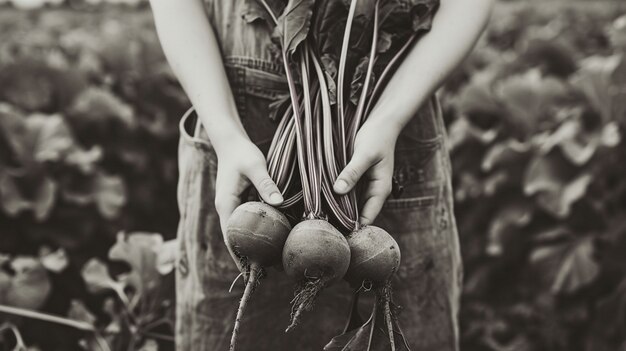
315, 255
256, 233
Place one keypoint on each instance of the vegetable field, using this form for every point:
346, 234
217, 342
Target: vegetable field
88, 138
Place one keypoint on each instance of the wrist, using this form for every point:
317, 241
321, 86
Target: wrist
386, 129
391, 115
227, 142
224, 133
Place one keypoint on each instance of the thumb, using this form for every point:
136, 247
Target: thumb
351, 174
266, 187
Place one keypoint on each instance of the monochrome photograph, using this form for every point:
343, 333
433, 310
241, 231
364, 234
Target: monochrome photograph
313, 175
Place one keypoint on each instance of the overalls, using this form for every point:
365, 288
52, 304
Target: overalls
428, 283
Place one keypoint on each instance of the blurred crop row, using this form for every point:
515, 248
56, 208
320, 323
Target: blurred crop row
536, 121
88, 139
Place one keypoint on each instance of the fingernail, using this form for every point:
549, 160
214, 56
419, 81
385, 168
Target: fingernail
276, 198
341, 186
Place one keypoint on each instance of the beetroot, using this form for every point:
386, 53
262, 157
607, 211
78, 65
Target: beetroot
256, 232
315, 255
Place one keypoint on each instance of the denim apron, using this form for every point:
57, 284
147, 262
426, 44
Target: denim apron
428, 283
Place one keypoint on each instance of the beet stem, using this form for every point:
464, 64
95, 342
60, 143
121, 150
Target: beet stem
250, 285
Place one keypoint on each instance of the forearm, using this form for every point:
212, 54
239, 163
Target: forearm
192, 51
456, 28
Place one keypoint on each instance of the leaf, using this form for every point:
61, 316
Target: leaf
555, 183
423, 12
608, 323
50, 137
106, 192
139, 250
149, 345
358, 80
293, 25
416, 15
362, 30
40, 200
506, 154
96, 276
110, 195
477, 99
166, 256
385, 39
528, 99
600, 82
553, 56
552, 235
328, 25
577, 144
253, 11
30, 284
330, 72
96, 105
79, 312
28, 85
462, 132
578, 268
85, 160
370, 336
35, 139
573, 265
505, 223
356, 339
54, 261
5, 285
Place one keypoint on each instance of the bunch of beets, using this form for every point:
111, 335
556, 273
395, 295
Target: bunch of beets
337, 56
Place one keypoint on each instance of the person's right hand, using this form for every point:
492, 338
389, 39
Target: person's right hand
238, 165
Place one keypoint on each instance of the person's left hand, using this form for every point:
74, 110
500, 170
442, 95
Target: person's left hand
372, 160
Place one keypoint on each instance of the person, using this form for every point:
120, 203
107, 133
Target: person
218, 49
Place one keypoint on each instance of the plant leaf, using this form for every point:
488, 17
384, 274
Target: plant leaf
358, 80
528, 99
110, 194
79, 312
139, 250
39, 199
253, 11
95, 106
50, 139
506, 153
555, 183
293, 25
96, 276
166, 256
30, 284
506, 223
55, 261
356, 339
602, 80
569, 266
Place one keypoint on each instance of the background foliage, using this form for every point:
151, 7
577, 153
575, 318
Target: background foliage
88, 138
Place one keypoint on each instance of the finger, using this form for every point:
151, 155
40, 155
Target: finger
266, 187
374, 200
227, 190
225, 204
351, 174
